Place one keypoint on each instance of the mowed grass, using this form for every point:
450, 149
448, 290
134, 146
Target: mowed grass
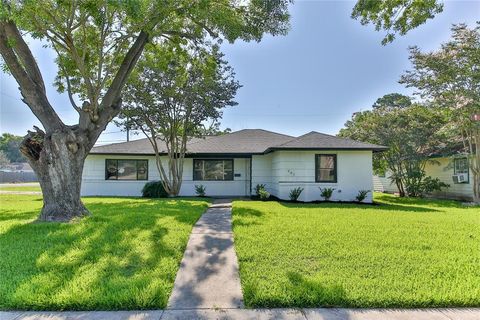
124, 256
14, 187
403, 253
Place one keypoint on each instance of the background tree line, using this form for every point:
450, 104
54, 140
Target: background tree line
448, 84
10, 148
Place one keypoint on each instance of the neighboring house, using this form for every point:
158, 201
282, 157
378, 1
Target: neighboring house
233, 164
453, 170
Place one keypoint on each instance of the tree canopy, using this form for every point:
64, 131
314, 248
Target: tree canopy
10, 145
392, 101
449, 78
412, 133
395, 17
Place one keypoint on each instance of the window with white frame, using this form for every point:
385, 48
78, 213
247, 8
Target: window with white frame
460, 166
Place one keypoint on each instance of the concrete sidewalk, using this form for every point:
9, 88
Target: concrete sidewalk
208, 275
260, 314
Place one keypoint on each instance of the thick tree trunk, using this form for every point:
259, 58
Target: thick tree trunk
58, 160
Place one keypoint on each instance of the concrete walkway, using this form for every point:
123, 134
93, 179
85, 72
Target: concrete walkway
260, 314
208, 275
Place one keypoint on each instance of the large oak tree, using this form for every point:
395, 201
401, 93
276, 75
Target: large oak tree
97, 45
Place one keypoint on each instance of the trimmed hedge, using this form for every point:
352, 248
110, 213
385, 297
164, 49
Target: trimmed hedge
154, 189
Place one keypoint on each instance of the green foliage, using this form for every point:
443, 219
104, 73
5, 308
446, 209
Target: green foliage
258, 188
263, 194
449, 79
395, 17
392, 101
92, 37
200, 190
123, 257
362, 195
154, 189
295, 193
176, 90
411, 132
173, 93
426, 185
10, 144
326, 193
405, 253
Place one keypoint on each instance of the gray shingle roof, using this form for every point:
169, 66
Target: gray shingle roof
248, 141
317, 140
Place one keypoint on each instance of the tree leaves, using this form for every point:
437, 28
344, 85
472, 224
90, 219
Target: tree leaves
395, 16
411, 131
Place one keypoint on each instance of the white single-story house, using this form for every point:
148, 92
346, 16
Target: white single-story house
233, 164
453, 170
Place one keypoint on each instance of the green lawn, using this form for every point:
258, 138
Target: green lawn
13, 187
125, 256
403, 253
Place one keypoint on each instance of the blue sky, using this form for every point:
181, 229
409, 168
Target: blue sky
326, 68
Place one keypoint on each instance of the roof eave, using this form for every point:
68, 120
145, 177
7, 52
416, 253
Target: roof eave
374, 149
187, 155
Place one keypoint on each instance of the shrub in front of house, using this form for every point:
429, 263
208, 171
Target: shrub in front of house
326, 193
430, 185
258, 188
295, 193
362, 195
154, 189
263, 194
200, 190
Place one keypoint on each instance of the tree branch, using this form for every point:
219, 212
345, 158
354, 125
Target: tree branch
23, 52
128, 63
33, 92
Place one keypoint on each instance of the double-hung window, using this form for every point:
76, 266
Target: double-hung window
123, 169
460, 165
213, 169
326, 168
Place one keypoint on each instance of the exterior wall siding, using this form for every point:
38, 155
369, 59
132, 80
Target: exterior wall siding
262, 172
94, 183
383, 184
441, 168
291, 169
280, 171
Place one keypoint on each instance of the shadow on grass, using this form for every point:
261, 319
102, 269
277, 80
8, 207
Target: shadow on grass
310, 293
381, 207
440, 203
299, 292
243, 217
124, 256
